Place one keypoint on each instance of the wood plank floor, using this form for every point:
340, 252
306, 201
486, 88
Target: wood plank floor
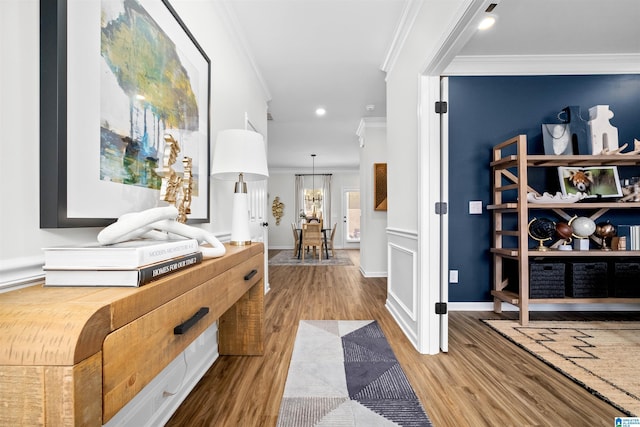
483, 380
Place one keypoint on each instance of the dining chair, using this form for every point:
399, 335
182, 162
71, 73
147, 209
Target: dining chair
312, 236
330, 240
296, 239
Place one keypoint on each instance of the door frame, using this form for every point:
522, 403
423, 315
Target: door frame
345, 205
433, 180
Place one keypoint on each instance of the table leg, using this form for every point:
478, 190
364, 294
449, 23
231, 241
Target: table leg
326, 248
300, 245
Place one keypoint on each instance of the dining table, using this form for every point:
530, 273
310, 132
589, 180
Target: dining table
324, 237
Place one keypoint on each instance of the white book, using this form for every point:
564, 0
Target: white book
117, 277
125, 255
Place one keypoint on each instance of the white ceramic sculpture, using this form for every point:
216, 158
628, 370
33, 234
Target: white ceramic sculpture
604, 136
159, 224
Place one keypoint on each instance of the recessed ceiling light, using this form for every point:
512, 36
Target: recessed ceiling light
320, 111
487, 22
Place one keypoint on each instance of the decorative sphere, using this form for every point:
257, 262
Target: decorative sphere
564, 230
542, 228
582, 226
605, 229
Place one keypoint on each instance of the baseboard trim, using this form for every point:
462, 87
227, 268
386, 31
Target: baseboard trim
373, 273
488, 306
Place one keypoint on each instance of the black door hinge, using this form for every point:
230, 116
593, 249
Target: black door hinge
441, 107
441, 208
441, 308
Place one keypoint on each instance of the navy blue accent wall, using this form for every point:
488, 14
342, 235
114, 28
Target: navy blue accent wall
484, 111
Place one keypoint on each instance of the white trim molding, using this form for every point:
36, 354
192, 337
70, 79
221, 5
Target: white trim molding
230, 20
457, 35
496, 65
16, 273
369, 122
403, 293
407, 234
405, 24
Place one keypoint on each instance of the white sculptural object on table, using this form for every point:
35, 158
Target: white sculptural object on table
604, 136
159, 224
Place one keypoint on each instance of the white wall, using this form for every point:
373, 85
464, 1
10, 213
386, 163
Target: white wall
413, 278
282, 184
373, 224
235, 90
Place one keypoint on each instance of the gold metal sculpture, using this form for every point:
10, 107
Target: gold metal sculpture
176, 189
277, 208
184, 208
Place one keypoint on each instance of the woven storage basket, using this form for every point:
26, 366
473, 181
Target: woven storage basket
626, 279
587, 279
546, 280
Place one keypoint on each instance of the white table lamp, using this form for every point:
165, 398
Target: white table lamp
240, 154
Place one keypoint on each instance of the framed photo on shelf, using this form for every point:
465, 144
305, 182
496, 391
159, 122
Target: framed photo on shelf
595, 182
116, 76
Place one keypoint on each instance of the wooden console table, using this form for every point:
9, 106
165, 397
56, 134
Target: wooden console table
75, 356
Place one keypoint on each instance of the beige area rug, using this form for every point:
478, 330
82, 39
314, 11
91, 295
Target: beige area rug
343, 373
600, 356
287, 257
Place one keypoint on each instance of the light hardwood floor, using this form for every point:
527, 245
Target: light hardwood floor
483, 380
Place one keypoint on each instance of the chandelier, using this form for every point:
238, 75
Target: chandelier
314, 196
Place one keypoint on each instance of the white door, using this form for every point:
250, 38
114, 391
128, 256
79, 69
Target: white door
259, 208
350, 218
258, 220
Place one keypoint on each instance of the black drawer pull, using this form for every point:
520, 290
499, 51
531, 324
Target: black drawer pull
184, 327
250, 275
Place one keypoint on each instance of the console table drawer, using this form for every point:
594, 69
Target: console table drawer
134, 354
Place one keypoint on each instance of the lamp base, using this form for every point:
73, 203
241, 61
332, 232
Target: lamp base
240, 235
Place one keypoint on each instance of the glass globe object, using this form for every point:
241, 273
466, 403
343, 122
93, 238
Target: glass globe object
583, 227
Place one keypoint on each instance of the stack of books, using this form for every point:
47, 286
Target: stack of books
628, 237
133, 263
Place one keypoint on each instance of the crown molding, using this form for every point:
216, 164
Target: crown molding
495, 65
369, 122
457, 34
230, 20
401, 33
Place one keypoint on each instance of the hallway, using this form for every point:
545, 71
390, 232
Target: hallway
483, 381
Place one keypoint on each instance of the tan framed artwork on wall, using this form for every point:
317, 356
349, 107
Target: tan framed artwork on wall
380, 186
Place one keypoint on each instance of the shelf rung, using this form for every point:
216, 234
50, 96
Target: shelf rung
506, 296
512, 253
507, 187
509, 206
515, 233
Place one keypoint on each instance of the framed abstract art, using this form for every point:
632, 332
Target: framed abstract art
116, 77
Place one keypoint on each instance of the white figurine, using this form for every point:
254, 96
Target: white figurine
157, 223
604, 136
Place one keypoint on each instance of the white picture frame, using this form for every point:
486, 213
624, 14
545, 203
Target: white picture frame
593, 181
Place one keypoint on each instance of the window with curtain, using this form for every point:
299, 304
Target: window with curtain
314, 202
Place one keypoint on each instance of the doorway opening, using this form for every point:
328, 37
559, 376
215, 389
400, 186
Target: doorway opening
351, 216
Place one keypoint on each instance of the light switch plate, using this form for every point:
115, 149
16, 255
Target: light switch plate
453, 276
475, 207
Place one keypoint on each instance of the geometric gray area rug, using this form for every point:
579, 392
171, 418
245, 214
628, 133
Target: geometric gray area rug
287, 257
343, 374
601, 356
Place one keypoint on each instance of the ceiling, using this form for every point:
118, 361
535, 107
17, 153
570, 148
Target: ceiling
329, 53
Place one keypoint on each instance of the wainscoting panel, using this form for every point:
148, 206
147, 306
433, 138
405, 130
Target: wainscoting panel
402, 283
